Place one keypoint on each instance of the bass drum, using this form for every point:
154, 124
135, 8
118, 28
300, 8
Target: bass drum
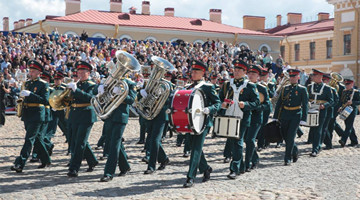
272, 132
187, 111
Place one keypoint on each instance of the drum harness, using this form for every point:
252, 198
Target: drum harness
316, 94
233, 110
343, 98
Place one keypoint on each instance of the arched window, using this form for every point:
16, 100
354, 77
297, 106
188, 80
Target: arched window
150, 39
127, 37
98, 35
244, 44
265, 48
173, 40
198, 41
70, 34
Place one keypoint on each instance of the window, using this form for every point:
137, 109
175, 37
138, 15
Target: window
347, 44
264, 49
312, 50
297, 52
282, 51
328, 49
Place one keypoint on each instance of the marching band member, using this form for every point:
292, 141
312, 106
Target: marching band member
116, 124
326, 137
168, 77
35, 96
251, 156
69, 137
333, 124
239, 97
321, 98
291, 109
349, 97
82, 117
197, 158
271, 88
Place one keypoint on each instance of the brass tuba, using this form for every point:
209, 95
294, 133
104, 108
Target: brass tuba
104, 104
335, 79
158, 90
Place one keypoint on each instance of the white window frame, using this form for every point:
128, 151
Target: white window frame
265, 45
71, 33
199, 41
151, 38
98, 35
125, 37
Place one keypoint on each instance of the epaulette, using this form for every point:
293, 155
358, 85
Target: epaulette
261, 85
42, 81
91, 82
208, 84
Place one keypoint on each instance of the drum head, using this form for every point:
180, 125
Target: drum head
197, 117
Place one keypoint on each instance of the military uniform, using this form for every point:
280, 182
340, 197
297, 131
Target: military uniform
82, 117
117, 122
324, 96
290, 109
249, 95
33, 116
354, 95
197, 157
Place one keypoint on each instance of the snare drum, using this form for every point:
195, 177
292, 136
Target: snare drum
187, 111
345, 113
228, 127
312, 118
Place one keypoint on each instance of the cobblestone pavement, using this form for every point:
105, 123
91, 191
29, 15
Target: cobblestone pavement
334, 174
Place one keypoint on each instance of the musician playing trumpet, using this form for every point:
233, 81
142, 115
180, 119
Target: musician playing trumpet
349, 97
291, 109
238, 97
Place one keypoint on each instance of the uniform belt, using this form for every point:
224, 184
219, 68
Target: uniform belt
80, 105
292, 108
33, 104
48, 107
318, 101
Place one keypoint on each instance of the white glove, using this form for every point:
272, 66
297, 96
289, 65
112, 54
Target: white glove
116, 90
275, 120
101, 89
302, 123
25, 93
143, 93
206, 111
72, 85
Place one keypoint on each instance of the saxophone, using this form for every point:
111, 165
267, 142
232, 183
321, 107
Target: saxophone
157, 89
20, 101
104, 104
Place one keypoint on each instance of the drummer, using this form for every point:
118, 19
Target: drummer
321, 98
349, 97
238, 97
197, 158
291, 109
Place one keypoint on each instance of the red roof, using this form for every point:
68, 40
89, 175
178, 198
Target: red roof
302, 28
153, 21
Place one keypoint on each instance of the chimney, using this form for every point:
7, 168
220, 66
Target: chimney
215, 15
28, 22
255, 23
323, 16
115, 5
278, 20
16, 26
5, 24
294, 18
132, 10
145, 8
169, 12
72, 6
21, 23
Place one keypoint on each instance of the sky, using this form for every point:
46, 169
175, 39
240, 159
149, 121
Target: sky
232, 10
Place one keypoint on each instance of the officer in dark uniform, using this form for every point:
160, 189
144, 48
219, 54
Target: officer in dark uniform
4, 88
271, 88
117, 123
197, 157
82, 117
155, 129
213, 80
321, 95
248, 100
35, 95
349, 97
291, 109
251, 156
168, 77
326, 137
333, 125
69, 138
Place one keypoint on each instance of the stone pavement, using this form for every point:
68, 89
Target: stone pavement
334, 174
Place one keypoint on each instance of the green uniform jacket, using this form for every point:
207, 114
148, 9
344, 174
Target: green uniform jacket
325, 96
331, 109
212, 101
292, 95
83, 94
48, 112
249, 95
257, 113
39, 94
345, 97
121, 113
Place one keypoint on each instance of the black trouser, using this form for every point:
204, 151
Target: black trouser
2, 112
